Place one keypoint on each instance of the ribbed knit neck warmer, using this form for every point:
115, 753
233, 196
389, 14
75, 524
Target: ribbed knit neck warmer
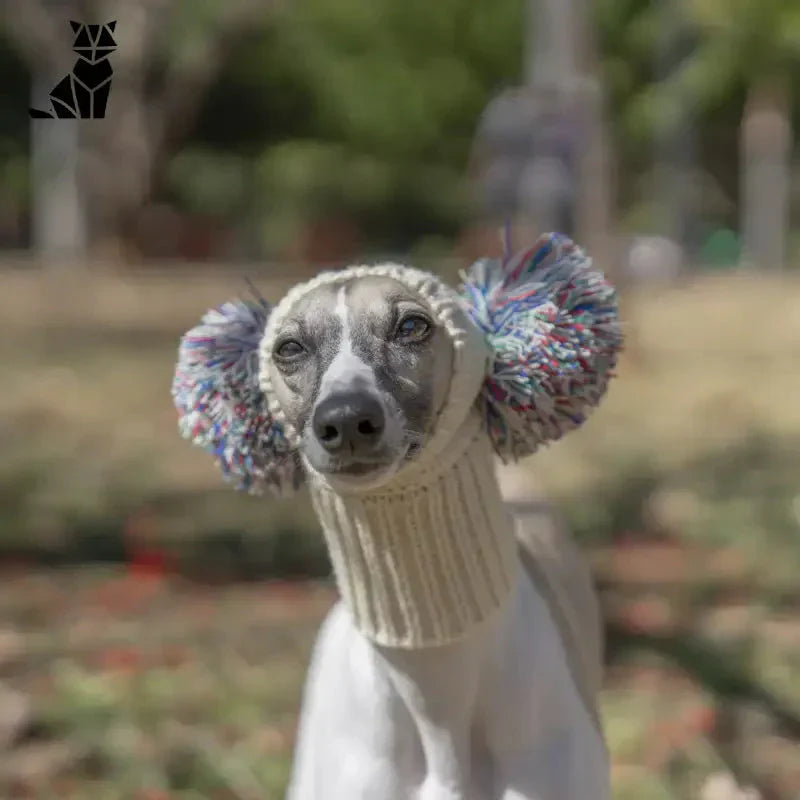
429, 555
423, 561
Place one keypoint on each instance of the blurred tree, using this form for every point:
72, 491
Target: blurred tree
368, 110
391, 93
754, 44
627, 35
13, 158
758, 43
168, 53
281, 121
542, 156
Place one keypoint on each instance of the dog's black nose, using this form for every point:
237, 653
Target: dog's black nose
350, 424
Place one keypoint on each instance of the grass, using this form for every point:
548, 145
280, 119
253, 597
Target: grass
163, 688
154, 688
702, 372
683, 488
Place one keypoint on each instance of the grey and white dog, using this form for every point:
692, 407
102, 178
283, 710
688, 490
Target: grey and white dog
361, 370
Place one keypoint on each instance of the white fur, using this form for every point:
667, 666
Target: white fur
495, 716
347, 371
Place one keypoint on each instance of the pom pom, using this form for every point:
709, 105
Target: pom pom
221, 406
551, 321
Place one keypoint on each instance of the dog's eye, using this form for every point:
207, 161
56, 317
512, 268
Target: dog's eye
413, 328
289, 349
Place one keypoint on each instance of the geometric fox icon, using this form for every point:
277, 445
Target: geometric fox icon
83, 94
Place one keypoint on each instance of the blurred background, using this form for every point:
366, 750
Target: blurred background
154, 624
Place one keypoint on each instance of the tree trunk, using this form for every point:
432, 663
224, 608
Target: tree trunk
58, 214
563, 55
92, 178
765, 143
595, 196
674, 154
596, 203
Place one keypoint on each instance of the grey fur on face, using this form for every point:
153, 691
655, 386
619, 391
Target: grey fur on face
368, 349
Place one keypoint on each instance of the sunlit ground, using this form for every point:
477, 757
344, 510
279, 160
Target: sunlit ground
116, 686
136, 688
117, 683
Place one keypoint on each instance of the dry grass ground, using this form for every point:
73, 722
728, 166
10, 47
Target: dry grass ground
141, 689
684, 486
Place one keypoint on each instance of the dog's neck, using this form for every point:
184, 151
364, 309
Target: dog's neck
429, 557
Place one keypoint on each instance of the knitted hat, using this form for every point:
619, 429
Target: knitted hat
471, 351
547, 317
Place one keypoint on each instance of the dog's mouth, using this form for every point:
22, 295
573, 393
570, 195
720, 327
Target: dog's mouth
365, 466
356, 468
363, 473
359, 475
412, 450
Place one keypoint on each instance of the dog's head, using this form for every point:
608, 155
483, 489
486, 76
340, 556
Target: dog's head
93, 43
360, 369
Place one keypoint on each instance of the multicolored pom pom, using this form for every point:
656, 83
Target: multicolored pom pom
220, 405
551, 320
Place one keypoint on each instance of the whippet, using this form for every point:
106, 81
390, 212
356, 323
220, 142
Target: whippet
498, 705
464, 658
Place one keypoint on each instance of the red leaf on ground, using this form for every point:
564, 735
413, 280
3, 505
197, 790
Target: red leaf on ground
176, 655
148, 563
153, 794
119, 659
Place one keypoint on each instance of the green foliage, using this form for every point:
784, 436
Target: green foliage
365, 110
753, 39
199, 701
691, 62
720, 46
404, 80
207, 182
368, 110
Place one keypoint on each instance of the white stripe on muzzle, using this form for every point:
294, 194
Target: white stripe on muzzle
347, 372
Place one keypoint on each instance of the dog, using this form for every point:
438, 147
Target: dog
464, 658
83, 94
496, 715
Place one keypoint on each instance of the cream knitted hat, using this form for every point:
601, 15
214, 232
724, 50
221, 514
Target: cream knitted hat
426, 557
431, 554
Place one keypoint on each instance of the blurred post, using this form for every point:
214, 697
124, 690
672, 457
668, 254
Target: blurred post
674, 146
544, 151
561, 55
549, 46
58, 220
595, 196
766, 146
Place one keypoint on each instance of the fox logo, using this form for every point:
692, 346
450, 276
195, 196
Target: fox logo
83, 94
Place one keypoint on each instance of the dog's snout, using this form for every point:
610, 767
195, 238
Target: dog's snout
349, 423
